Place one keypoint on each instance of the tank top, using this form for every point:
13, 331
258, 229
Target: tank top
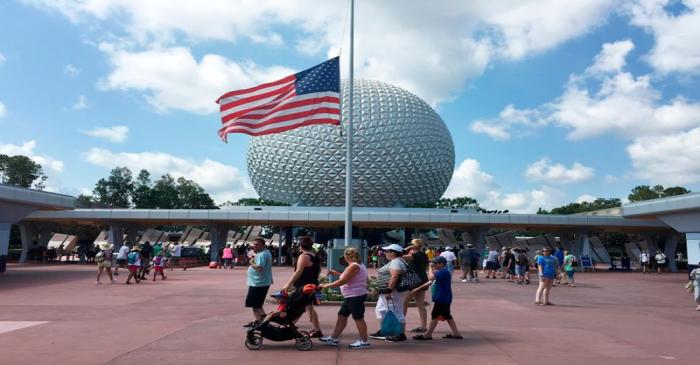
357, 286
310, 273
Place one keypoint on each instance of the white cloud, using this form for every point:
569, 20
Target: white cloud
80, 104
71, 70
585, 198
611, 58
222, 182
48, 163
173, 79
544, 170
115, 134
677, 37
667, 159
3, 110
2, 58
453, 44
623, 103
469, 180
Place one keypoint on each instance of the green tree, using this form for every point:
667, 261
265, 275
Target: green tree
165, 193
116, 190
21, 171
645, 192
463, 202
193, 196
142, 197
575, 208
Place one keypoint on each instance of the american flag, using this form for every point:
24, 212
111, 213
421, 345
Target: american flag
308, 97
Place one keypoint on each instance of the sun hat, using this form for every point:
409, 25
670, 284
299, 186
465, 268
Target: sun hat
136, 248
448, 248
470, 245
105, 245
309, 289
393, 247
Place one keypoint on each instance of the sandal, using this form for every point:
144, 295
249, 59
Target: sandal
422, 338
549, 303
449, 335
418, 330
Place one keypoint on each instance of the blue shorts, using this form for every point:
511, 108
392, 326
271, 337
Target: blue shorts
570, 274
520, 269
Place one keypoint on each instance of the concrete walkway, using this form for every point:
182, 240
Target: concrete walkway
57, 315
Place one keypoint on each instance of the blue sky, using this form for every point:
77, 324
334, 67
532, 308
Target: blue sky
548, 102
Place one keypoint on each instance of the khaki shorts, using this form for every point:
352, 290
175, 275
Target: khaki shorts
105, 263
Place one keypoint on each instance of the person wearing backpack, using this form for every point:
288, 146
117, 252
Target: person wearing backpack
133, 260
522, 271
104, 262
570, 264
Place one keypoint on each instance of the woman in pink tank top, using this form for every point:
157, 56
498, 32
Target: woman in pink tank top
353, 286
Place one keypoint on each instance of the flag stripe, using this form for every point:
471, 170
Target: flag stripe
290, 103
277, 128
229, 94
261, 98
292, 115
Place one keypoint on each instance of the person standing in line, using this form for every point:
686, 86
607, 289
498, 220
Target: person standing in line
176, 252
547, 272
228, 257
491, 263
450, 257
121, 258
695, 277
644, 261
469, 260
559, 254
418, 260
146, 253
660, 259
353, 287
388, 278
104, 262
258, 279
522, 270
442, 299
307, 270
569, 267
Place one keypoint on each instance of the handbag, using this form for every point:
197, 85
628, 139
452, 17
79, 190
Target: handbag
690, 286
409, 280
390, 324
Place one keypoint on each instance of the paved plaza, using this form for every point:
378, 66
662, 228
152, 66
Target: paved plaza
57, 315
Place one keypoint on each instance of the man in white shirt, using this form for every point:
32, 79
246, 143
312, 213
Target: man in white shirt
121, 258
450, 257
175, 258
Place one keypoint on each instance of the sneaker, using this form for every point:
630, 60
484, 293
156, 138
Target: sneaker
316, 334
377, 335
477, 280
417, 330
328, 340
464, 280
397, 338
359, 344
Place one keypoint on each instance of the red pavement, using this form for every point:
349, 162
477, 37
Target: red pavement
195, 317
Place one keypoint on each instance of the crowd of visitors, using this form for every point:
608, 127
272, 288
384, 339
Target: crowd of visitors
138, 259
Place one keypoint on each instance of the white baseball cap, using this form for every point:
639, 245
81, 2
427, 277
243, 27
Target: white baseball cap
393, 247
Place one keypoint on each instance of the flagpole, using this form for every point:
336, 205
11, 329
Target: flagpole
348, 136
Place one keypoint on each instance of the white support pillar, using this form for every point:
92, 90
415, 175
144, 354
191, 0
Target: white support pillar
27, 233
4, 244
115, 235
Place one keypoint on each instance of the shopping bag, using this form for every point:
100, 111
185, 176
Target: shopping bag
390, 324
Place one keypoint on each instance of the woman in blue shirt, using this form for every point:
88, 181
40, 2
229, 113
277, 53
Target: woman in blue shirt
547, 271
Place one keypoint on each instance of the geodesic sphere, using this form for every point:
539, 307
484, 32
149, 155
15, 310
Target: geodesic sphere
403, 154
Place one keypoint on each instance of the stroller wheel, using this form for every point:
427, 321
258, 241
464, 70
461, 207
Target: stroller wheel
253, 340
303, 343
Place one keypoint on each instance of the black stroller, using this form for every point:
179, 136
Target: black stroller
285, 329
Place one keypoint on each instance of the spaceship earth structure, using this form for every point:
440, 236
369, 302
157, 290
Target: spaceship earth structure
403, 154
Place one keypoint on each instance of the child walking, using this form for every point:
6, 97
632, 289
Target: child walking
158, 264
134, 263
442, 299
